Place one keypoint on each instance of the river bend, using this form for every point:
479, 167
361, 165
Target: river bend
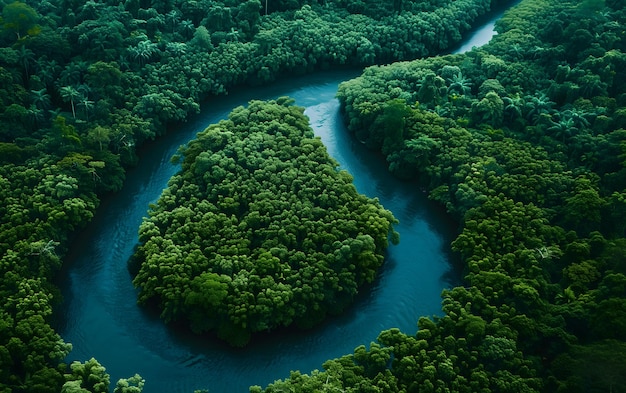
100, 316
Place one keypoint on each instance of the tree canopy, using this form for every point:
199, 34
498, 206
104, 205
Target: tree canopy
522, 141
260, 229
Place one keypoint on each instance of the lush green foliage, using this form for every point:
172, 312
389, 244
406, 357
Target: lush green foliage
523, 141
259, 229
82, 83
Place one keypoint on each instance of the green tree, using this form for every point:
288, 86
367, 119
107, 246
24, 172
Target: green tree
41, 98
459, 84
70, 94
19, 18
26, 59
133, 384
100, 135
90, 376
489, 110
144, 51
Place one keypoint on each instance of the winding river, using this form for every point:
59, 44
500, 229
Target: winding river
100, 316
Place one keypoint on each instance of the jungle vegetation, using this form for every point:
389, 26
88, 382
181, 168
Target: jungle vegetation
524, 142
84, 83
259, 229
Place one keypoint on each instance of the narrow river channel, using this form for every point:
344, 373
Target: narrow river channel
100, 316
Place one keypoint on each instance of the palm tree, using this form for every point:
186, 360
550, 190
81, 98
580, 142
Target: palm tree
459, 84
537, 106
101, 135
563, 129
39, 248
36, 115
513, 107
173, 18
48, 71
567, 296
100, 42
577, 116
69, 93
73, 73
516, 51
87, 104
176, 48
123, 61
187, 27
41, 98
83, 89
233, 35
143, 51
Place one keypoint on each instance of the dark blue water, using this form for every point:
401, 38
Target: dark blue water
101, 318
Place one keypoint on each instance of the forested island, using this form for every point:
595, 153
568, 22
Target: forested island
259, 230
523, 141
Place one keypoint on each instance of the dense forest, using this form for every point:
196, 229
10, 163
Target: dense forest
259, 229
522, 141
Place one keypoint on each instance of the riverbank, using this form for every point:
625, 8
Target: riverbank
78, 113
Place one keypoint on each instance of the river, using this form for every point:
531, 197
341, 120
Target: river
100, 316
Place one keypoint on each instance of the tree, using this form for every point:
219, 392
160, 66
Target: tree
489, 110
393, 120
599, 366
512, 112
19, 18
459, 84
87, 105
70, 94
143, 51
430, 91
187, 27
583, 208
105, 80
66, 132
133, 384
49, 71
564, 129
219, 18
202, 38
248, 17
491, 85
536, 106
173, 18
90, 377
100, 135
41, 98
